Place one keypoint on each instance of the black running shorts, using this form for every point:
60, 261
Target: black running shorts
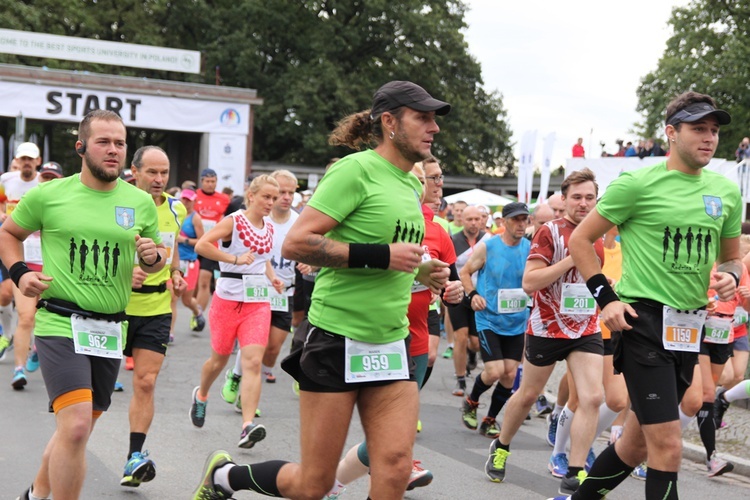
494, 347
543, 351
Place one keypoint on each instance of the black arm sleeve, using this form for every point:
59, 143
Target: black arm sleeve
453, 277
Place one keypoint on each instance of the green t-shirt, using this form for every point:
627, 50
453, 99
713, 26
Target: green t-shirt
88, 244
171, 214
671, 225
453, 228
374, 202
443, 223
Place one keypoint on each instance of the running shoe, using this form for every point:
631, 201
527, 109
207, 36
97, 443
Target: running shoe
489, 428
251, 434
569, 485
207, 489
460, 389
615, 434
561, 497
721, 405
5, 343
469, 413
419, 477
542, 407
129, 363
295, 388
19, 379
590, 459
335, 494
238, 405
231, 387
138, 469
494, 468
32, 362
198, 410
448, 353
558, 465
27, 495
198, 323
717, 466
119, 387
270, 378
640, 472
552, 428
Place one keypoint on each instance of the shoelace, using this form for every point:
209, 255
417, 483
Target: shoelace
200, 409
416, 466
498, 461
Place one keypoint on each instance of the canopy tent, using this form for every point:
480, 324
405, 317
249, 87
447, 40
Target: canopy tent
479, 197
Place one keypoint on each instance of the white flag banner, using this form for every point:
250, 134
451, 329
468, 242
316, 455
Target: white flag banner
530, 166
549, 144
522, 168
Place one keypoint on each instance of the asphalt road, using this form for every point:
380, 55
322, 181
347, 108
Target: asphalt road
455, 455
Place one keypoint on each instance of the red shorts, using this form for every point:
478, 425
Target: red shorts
248, 322
191, 273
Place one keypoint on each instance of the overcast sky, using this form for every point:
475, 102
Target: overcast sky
569, 67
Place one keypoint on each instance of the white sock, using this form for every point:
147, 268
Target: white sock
563, 430
558, 409
267, 369
450, 346
739, 391
684, 419
221, 477
6, 320
237, 370
606, 417
351, 467
336, 487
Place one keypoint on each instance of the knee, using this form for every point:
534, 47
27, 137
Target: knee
396, 467
431, 358
251, 365
76, 432
272, 349
26, 319
590, 398
317, 487
616, 402
691, 405
144, 383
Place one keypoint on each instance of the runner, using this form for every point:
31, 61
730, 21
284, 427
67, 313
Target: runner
658, 311
190, 233
363, 226
80, 370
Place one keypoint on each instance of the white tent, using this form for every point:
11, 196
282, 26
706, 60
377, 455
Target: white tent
479, 197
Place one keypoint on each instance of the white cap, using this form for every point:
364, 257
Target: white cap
497, 215
27, 149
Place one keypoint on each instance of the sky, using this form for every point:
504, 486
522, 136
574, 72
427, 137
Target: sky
568, 67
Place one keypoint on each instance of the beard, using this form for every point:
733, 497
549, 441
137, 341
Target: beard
99, 172
400, 141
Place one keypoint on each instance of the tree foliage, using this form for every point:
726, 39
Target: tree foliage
707, 53
312, 61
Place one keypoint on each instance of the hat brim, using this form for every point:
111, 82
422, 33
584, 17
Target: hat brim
431, 104
721, 116
53, 174
517, 212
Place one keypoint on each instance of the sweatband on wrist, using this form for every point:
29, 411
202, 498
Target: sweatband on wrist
17, 270
472, 293
736, 278
601, 290
369, 255
156, 260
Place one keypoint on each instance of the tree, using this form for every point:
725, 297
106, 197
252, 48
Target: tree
312, 61
707, 53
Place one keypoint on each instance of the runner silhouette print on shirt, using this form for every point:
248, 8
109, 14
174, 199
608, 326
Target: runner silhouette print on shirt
699, 244
677, 240
689, 242
407, 232
84, 251
95, 251
73, 248
115, 259
707, 242
667, 239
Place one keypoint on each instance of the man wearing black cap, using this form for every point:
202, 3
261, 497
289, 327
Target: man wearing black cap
500, 309
363, 227
657, 312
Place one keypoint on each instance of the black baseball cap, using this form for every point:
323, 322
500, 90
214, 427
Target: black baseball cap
399, 93
515, 208
694, 112
209, 172
51, 168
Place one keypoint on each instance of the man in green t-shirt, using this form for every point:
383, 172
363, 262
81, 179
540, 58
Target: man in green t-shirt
458, 210
149, 310
656, 314
79, 326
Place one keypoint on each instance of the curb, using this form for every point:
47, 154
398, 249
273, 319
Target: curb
697, 453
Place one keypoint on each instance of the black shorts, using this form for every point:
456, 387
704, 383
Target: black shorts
283, 319
719, 353
319, 365
303, 290
65, 371
462, 316
609, 347
656, 378
496, 347
543, 351
148, 332
433, 322
209, 265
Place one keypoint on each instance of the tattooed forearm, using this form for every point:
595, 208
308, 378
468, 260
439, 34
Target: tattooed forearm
323, 252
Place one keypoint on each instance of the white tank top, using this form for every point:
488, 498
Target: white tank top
245, 238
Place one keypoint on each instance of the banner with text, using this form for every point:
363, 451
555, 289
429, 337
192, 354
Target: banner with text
227, 155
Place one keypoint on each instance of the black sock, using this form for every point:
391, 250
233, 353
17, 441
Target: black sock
573, 471
607, 472
136, 442
479, 388
502, 446
426, 376
260, 477
661, 485
707, 428
499, 397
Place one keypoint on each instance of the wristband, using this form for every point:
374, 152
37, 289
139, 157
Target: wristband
471, 294
17, 270
156, 261
736, 278
601, 290
369, 255
235, 261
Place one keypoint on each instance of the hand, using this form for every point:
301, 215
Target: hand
278, 285
405, 257
146, 249
305, 268
139, 276
613, 316
33, 284
478, 303
245, 259
744, 292
179, 285
724, 285
454, 292
434, 275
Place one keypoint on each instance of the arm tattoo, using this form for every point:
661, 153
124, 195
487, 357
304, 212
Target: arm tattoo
323, 252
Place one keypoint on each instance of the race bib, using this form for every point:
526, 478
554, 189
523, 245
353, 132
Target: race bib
681, 330
279, 301
740, 316
374, 362
718, 330
577, 300
511, 300
32, 248
95, 337
256, 288
417, 286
